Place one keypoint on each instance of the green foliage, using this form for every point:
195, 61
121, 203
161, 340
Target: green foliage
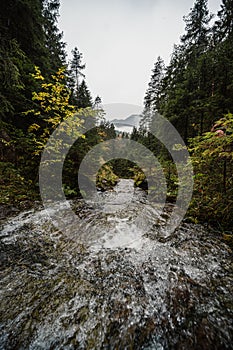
69, 192
194, 92
80, 149
11, 61
139, 177
106, 179
124, 168
53, 107
212, 156
153, 96
196, 87
54, 46
15, 188
30, 37
24, 43
84, 98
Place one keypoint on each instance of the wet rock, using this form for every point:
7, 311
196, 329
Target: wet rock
7, 210
59, 292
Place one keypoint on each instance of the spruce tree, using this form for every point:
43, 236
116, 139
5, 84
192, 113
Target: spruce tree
53, 37
76, 66
197, 25
97, 102
223, 28
186, 87
222, 52
152, 97
22, 45
75, 73
84, 98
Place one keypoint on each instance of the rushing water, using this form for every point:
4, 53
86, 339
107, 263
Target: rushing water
115, 283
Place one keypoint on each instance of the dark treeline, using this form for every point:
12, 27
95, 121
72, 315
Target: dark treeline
196, 88
195, 93
39, 88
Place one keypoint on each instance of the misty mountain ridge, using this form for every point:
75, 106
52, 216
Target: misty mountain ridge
132, 120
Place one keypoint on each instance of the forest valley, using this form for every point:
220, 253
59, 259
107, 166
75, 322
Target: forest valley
39, 89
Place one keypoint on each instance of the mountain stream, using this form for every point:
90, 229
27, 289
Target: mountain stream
122, 286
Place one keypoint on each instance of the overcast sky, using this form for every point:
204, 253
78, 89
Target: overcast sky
121, 39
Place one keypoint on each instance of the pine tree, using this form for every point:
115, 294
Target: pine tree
152, 97
197, 25
23, 22
197, 42
222, 52
223, 28
174, 93
11, 87
76, 66
186, 87
97, 102
53, 38
84, 98
22, 45
75, 72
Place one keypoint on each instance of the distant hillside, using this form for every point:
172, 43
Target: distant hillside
132, 120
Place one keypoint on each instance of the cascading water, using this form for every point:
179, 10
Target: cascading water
120, 287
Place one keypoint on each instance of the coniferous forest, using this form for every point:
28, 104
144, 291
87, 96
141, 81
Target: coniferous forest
195, 93
115, 270
40, 88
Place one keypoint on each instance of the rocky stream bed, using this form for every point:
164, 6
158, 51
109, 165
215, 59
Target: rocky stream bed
111, 292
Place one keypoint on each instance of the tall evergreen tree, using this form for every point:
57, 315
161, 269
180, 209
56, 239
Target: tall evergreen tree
223, 27
186, 85
53, 37
222, 52
84, 98
12, 59
197, 25
76, 66
97, 102
23, 22
152, 97
174, 91
75, 72
22, 42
